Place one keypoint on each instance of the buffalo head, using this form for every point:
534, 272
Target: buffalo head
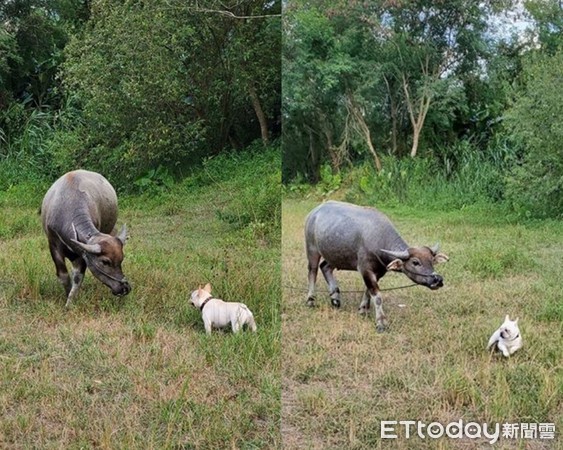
417, 263
103, 254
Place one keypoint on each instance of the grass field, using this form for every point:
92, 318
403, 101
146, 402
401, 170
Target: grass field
139, 372
341, 377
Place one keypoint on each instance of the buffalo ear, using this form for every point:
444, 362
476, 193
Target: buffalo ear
93, 249
396, 265
440, 258
122, 236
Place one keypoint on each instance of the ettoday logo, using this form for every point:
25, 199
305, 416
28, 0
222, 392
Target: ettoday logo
469, 430
435, 430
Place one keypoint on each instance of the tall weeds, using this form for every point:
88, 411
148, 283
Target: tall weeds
455, 177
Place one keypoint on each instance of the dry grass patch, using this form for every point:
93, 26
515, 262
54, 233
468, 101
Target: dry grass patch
341, 378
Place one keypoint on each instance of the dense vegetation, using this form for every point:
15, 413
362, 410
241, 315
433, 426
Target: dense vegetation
459, 100
141, 91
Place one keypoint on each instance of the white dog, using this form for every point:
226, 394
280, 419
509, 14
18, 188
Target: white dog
507, 338
218, 314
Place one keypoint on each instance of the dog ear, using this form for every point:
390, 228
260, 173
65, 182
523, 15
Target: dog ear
207, 288
507, 318
516, 321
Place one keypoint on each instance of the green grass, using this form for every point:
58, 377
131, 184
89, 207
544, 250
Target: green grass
139, 372
341, 378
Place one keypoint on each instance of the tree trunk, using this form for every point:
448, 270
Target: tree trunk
393, 128
417, 118
259, 114
393, 111
415, 138
313, 157
362, 127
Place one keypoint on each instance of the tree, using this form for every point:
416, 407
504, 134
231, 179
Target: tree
361, 77
324, 81
534, 125
431, 42
166, 82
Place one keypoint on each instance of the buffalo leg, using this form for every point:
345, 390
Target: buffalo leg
370, 279
78, 269
365, 304
60, 266
333, 289
313, 267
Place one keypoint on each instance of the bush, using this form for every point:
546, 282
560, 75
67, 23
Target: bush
535, 185
462, 176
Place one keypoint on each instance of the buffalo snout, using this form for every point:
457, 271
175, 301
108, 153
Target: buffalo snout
123, 289
437, 282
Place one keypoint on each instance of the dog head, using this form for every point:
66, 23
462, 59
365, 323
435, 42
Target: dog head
199, 295
509, 329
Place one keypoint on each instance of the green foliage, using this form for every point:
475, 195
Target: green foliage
383, 61
253, 196
463, 176
135, 108
548, 16
329, 181
127, 87
358, 74
155, 181
185, 96
535, 185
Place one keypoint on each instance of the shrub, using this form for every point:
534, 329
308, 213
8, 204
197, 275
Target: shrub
535, 185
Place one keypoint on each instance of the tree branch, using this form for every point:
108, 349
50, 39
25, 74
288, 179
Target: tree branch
232, 15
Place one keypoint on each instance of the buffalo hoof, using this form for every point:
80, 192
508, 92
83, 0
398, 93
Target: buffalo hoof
310, 302
335, 302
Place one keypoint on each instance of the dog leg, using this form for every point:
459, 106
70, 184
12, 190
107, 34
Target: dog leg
252, 324
503, 349
493, 340
236, 325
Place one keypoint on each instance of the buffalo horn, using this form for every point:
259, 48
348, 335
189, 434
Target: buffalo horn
93, 249
404, 254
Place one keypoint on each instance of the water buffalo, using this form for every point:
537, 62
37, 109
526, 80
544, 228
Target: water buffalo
79, 213
350, 237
